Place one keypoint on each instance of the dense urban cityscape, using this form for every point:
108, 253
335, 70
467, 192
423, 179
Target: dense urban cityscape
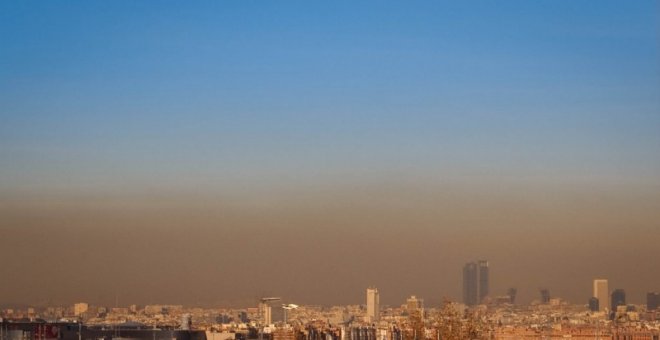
481, 315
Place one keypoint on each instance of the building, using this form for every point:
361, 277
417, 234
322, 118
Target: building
512, 295
545, 296
361, 333
652, 300
284, 334
414, 304
80, 308
601, 293
267, 312
373, 305
470, 284
618, 298
186, 322
42, 330
243, 317
163, 309
483, 279
475, 282
593, 304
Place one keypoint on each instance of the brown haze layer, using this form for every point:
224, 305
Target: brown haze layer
325, 245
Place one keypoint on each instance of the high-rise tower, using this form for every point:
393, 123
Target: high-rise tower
601, 292
470, 284
512, 295
475, 282
268, 314
483, 279
373, 304
545, 295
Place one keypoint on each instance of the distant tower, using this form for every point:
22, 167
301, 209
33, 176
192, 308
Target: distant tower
618, 298
470, 284
373, 304
593, 304
512, 295
414, 304
545, 296
483, 280
475, 282
652, 301
601, 292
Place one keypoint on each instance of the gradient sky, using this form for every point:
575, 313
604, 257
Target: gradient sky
294, 148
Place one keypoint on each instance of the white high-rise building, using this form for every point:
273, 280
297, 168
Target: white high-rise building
373, 305
602, 293
268, 314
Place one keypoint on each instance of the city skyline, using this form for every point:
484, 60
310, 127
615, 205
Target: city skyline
498, 319
472, 281
266, 306
218, 153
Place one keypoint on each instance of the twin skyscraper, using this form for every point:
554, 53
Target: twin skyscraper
475, 282
475, 288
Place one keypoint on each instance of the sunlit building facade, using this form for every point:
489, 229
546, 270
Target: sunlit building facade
373, 304
601, 292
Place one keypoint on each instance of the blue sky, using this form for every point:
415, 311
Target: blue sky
96, 95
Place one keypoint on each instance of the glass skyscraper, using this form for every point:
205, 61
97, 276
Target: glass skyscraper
475, 282
483, 279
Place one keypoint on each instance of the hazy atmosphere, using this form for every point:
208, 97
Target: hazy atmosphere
218, 153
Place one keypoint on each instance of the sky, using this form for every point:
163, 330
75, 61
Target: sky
215, 152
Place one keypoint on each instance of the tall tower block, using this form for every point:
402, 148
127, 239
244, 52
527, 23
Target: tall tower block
470, 284
484, 280
601, 292
373, 304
